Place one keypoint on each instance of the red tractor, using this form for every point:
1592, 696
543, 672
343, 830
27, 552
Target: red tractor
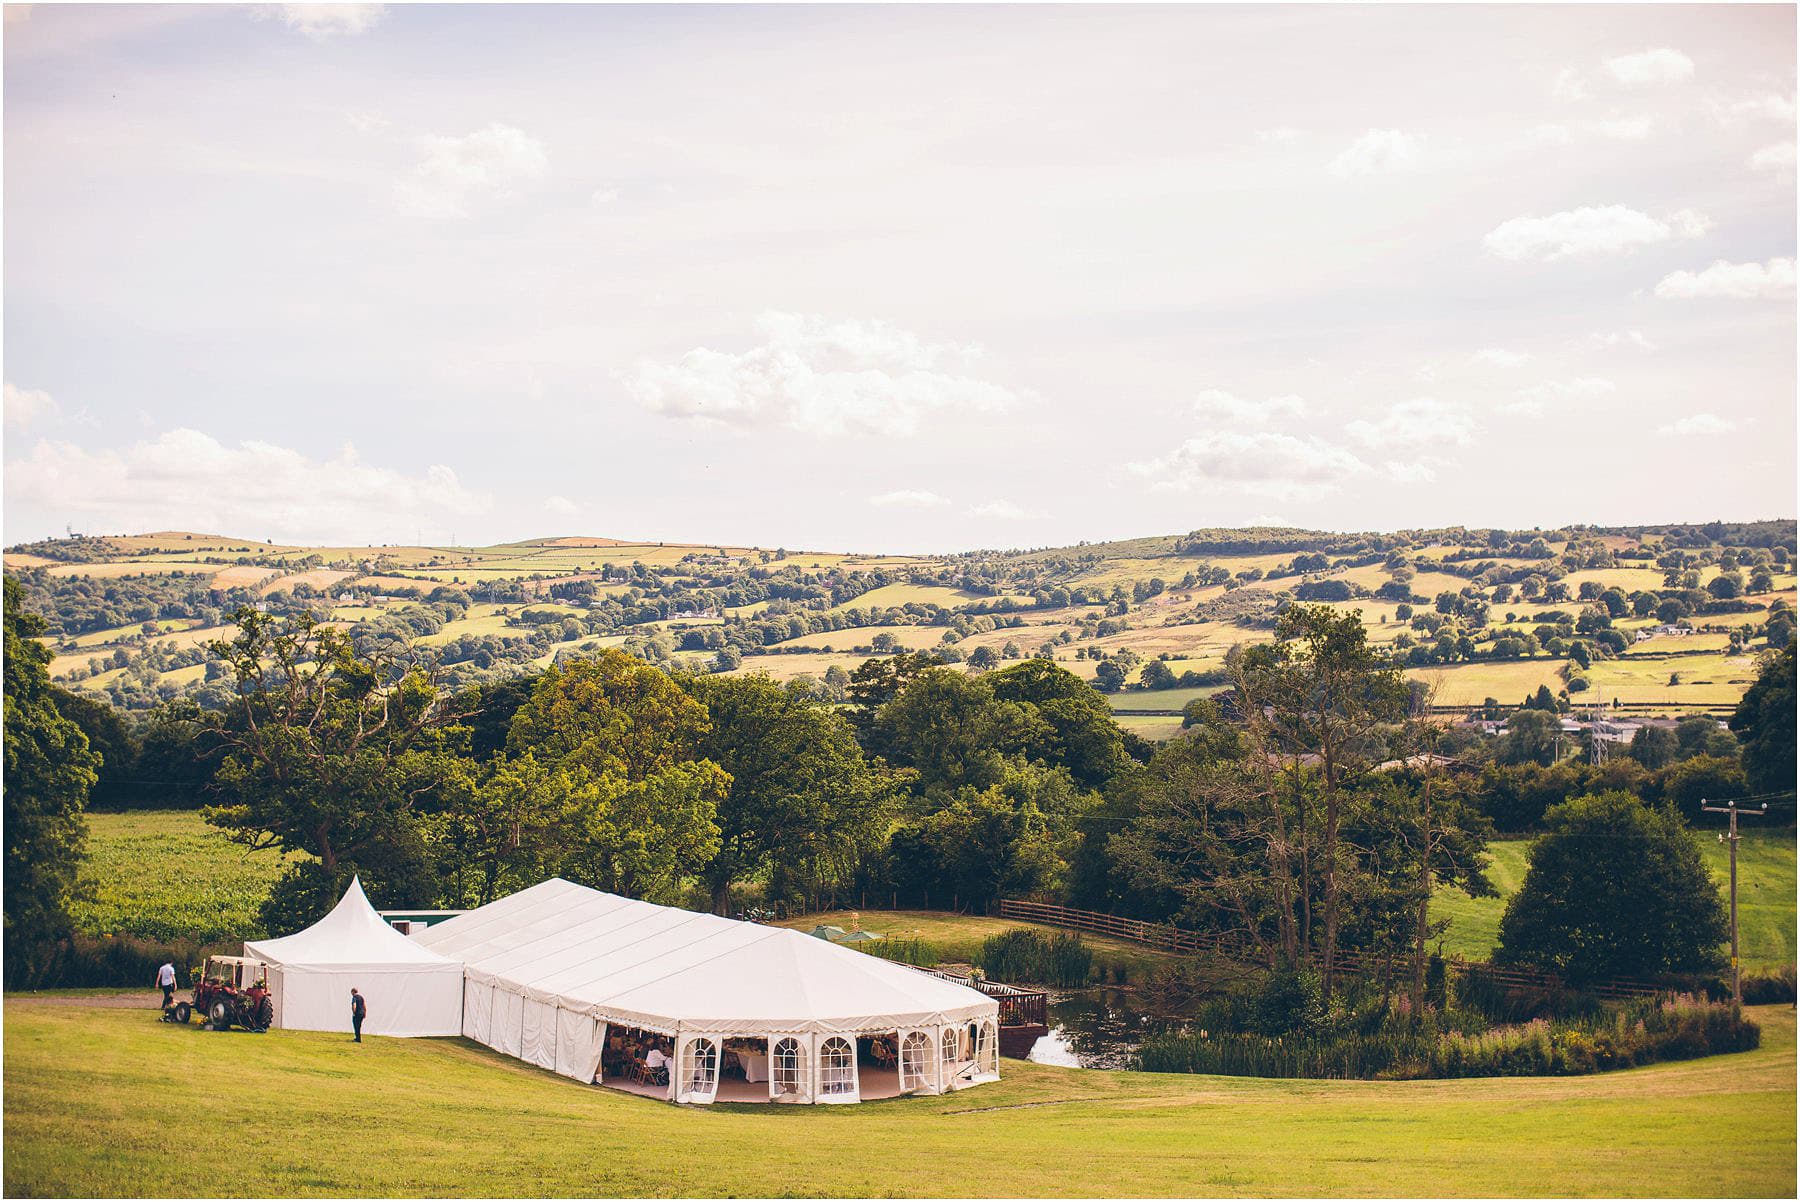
230, 991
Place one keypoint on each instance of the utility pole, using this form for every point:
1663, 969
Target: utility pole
1731, 808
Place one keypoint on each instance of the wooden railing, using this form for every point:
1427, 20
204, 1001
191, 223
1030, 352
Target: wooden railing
1174, 939
1018, 1007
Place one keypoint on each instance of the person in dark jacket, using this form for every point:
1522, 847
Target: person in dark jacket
359, 1010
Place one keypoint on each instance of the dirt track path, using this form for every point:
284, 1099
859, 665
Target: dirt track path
103, 1001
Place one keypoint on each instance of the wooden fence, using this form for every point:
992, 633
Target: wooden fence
1168, 938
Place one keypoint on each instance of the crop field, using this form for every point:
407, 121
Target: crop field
165, 874
908, 594
1154, 727
103, 1100
913, 638
1766, 891
1158, 699
1704, 679
115, 571
1508, 681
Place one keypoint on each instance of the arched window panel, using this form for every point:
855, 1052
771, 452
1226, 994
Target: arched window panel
918, 1062
699, 1070
787, 1069
837, 1068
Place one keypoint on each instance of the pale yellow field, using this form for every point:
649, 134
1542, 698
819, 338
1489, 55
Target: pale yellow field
319, 578
1507, 681
113, 571
18, 559
242, 576
907, 594
913, 638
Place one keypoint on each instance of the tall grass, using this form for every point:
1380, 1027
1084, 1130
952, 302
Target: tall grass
916, 952
1059, 960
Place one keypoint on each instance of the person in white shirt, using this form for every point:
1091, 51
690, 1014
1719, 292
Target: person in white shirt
165, 979
655, 1059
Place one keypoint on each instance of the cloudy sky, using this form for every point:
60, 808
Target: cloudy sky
894, 278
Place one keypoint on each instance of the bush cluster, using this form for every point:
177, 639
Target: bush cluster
1059, 960
116, 961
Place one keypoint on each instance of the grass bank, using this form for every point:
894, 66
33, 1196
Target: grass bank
111, 1102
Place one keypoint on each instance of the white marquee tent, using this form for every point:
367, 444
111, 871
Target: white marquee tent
550, 968
411, 990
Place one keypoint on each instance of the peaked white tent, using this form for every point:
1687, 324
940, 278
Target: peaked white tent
550, 968
410, 990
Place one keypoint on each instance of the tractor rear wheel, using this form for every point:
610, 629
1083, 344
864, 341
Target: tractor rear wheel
263, 1015
183, 1012
220, 1014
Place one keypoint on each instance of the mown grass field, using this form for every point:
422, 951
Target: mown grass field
1766, 891
110, 1102
165, 874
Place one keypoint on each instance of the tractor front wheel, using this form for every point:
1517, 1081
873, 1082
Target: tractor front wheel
183, 1012
220, 1014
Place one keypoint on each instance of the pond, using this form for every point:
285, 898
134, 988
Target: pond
1097, 1028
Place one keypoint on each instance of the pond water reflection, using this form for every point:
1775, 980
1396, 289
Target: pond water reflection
1097, 1028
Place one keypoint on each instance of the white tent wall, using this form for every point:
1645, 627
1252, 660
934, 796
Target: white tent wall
580, 1038
537, 1043
478, 1011
401, 1001
509, 1023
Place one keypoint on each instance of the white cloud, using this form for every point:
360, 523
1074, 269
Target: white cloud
1379, 151
1773, 280
1755, 108
1004, 511
1569, 85
185, 479
910, 498
1215, 405
1258, 463
1409, 473
822, 377
1540, 397
1623, 129
1699, 423
321, 21
1280, 135
364, 122
1657, 66
1606, 340
1494, 356
603, 196
1776, 157
1419, 422
1612, 229
25, 407
561, 506
455, 174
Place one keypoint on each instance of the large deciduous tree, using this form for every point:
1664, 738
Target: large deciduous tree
1615, 888
620, 747
804, 805
331, 752
49, 770
1765, 722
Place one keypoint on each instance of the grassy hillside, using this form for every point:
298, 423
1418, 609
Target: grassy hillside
110, 1102
1185, 600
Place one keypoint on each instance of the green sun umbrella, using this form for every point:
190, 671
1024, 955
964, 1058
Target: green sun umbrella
827, 932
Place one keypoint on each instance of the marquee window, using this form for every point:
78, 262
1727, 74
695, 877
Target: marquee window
837, 1066
915, 1061
788, 1064
700, 1067
987, 1054
948, 1043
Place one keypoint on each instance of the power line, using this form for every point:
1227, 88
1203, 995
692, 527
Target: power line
1731, 808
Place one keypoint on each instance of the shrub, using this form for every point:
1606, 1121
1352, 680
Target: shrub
1767, 988
85, 962
1290, 1000
902, 951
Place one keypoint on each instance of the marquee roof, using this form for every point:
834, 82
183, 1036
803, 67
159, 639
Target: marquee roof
660, 968
353, 935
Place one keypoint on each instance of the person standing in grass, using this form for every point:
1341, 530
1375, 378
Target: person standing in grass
165, 980
359, 1009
